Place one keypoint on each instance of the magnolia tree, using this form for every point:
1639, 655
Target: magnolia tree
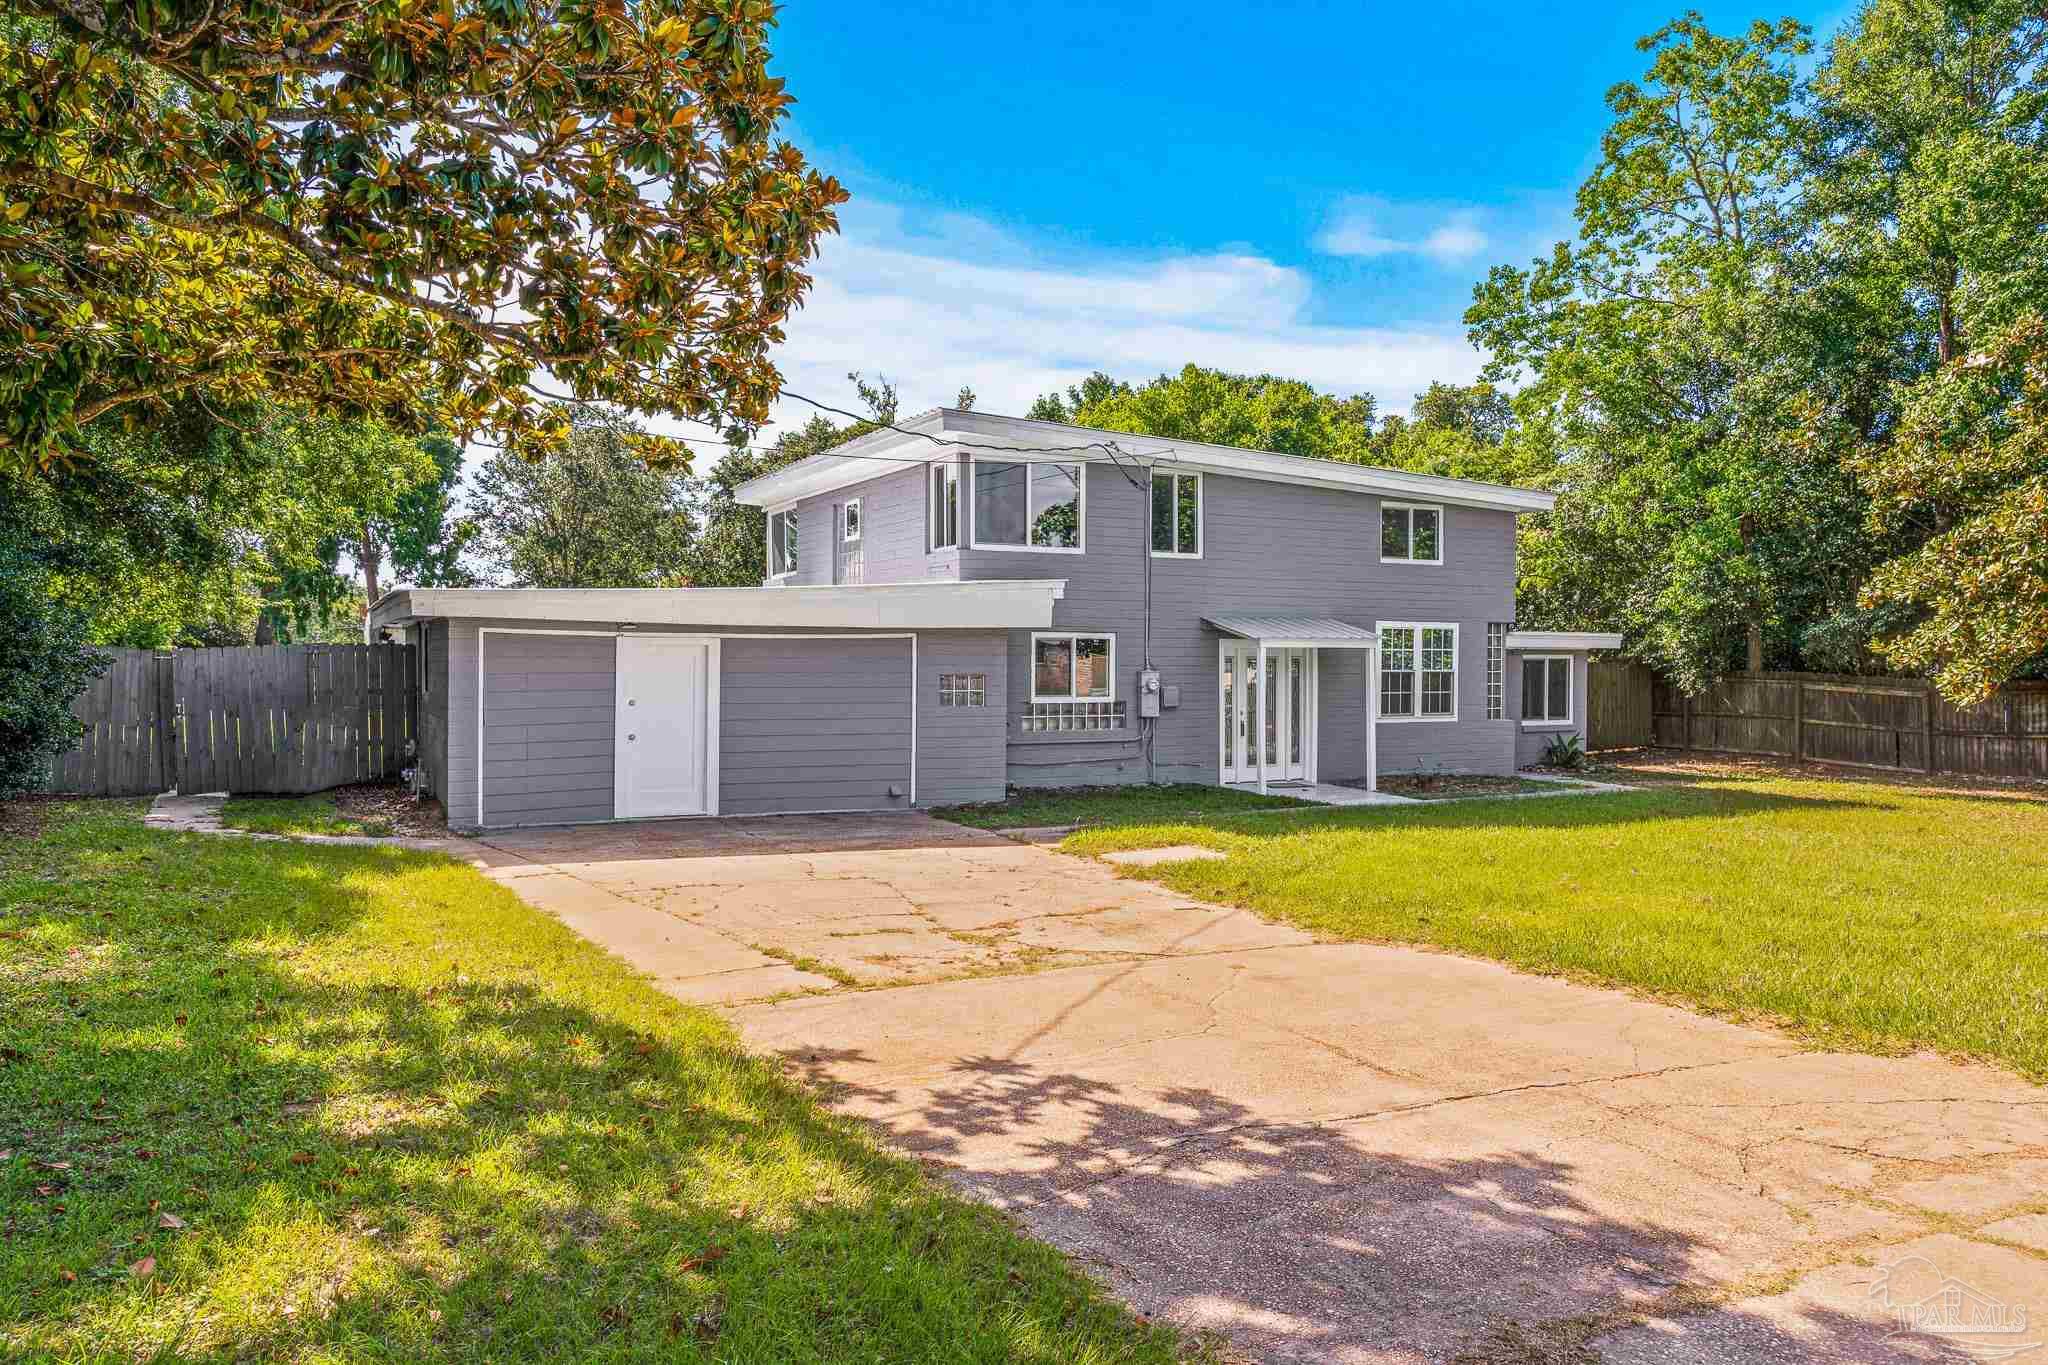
393, 208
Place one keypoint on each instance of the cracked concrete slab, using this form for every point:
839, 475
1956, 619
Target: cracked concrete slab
1332, 1151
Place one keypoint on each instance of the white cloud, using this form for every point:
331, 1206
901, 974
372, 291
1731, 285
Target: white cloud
1359, 227
952, 301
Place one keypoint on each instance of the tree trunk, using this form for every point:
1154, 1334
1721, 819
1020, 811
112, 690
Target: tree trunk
1756, 647
371, 556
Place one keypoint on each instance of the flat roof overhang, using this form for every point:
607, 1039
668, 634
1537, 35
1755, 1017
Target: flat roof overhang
1020, 604
1521, 641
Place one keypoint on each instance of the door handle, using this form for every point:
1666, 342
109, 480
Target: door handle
632, 736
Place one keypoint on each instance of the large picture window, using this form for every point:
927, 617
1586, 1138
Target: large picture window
946, 506
1418, 672
782, 542
1547, 689
1411, 533
1073, 667
1021, 506
1177, 515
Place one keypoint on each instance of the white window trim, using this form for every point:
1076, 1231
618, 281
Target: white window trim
1379, 665
935, 479
1201, 516
1390, 504
768, 541
1549, 724
1080, 510
1031, 663
850, 524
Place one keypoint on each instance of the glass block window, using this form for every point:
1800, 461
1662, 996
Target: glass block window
1497, 669
1071, 717
963, 689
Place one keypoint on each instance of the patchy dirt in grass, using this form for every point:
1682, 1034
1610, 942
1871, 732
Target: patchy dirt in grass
23, 817
1682, 766
382, 803
1451, 786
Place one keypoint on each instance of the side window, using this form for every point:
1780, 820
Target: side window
1177, 515
1419, 672
782, 542
851, 519
945, 508
1547, 689
1073, 668
1411, 533
1019, 506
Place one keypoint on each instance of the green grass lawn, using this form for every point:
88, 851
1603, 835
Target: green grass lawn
1111, 805
275, 1101
295, 815
1867, 916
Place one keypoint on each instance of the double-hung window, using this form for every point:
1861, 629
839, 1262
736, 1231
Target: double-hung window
1177, 515
1411, 533
1547, 689
945, 497
1073, 668
782, 542
1418, 672
1020, 506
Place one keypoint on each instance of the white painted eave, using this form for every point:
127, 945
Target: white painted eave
1021, 604
1524, 640
882, 452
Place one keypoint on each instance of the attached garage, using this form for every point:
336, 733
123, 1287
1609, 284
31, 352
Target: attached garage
561, 719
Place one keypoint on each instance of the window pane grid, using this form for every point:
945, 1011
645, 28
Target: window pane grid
1496, 670
1419, 672
963, 689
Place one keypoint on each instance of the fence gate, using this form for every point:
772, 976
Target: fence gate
267, 718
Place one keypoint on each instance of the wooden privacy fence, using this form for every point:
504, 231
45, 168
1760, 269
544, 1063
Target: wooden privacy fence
1897, 723
267, 718
1618, 714
128, 748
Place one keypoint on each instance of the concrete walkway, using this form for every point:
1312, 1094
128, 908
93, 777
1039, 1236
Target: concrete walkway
1337, 1152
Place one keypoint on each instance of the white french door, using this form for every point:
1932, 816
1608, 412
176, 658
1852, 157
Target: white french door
667, 745
1282, 715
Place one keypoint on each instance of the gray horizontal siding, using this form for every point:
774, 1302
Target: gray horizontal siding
893, 533
548, 728
960, 748
788, 708
1273, 548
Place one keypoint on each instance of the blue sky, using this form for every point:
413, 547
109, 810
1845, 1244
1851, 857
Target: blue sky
1309, 189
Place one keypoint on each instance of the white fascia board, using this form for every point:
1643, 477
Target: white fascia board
885, 451
1525, 640
988, 605
866, 457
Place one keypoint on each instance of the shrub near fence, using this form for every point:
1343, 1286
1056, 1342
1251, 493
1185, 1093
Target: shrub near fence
267, 718
1894, 723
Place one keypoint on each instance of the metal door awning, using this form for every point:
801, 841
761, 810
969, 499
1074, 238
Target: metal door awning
1295, 632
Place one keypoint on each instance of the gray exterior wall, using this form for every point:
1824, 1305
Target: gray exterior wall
431, 638
550, 703
813, 725
805, 723
893, 533
1267, 547
1529, 743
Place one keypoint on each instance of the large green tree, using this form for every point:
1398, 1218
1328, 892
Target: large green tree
402, 209
45, 659
1263, 412
593, 514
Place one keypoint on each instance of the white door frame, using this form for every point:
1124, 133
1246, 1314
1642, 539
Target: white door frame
619, 731
1248, 702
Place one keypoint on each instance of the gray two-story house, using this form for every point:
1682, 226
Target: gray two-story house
966, 603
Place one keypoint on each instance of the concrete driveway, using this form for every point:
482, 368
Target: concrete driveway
1337, 1151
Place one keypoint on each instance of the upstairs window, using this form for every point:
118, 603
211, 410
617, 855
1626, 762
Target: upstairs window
1411, 533
1547, 689
851, 520
1073, 667
1177, 515
782, 542
1419, 672
1021, 506
946, 506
